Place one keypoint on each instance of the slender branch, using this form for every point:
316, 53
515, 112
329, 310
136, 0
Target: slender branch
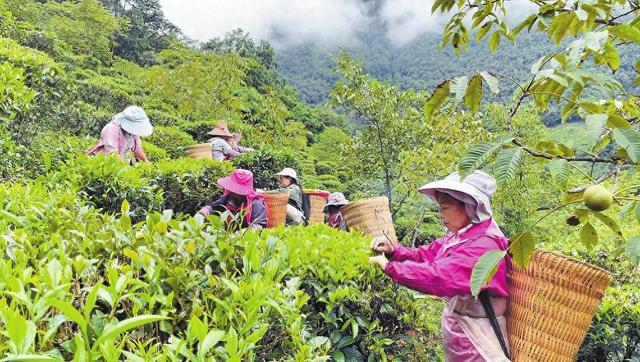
545, 216
629, 188
600, 180
581, 171
537, 153
616, 178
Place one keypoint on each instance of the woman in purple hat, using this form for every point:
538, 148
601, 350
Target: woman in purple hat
240, 198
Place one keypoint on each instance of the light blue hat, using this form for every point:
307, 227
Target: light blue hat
134, 121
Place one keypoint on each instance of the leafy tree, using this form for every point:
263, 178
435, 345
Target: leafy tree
584, 33
148, 31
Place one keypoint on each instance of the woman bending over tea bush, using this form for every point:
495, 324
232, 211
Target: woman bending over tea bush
443, 268
241, 199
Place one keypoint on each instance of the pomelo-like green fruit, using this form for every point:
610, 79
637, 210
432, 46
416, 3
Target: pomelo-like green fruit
597, 198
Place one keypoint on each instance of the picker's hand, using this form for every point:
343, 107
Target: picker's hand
382, 245
380, 260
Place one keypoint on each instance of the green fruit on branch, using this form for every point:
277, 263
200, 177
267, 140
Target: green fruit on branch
597, 198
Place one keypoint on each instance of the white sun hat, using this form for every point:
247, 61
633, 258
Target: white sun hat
475, 191
287, 171
135, 121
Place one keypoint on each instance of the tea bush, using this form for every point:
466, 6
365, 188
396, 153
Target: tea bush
183, 185
171, 139
187, 184
79, 284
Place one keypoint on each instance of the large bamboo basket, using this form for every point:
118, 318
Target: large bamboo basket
317, 199
551, 305
202, 150
371, 216
276, 203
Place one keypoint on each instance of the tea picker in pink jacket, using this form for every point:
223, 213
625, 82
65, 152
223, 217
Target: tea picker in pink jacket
443, 268
122, 135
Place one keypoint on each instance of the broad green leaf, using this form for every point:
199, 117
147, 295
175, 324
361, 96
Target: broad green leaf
485, 269
522, 247
560, 26
637, 212
197, 328
588, 235
491, 80
71, 313
625, 32
318, 341
632, 250
612, 56
437, 98
611, 223
482, 32
507, 164
125, 325
473, 96
595, 127
124, 208
30, 358
625, 210
476, 156
617, 121
459, 87
559, 169
212, 338
90, 302
628, 139
21, 332
494, 41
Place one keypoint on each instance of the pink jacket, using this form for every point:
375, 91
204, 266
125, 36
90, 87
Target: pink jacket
443, 268
112, 139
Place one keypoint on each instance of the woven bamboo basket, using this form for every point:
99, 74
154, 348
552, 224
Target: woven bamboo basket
551, 305
318, 199
276, 203
202, 150
371, 216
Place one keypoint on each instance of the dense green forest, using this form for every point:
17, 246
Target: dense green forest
420, 64
106, 261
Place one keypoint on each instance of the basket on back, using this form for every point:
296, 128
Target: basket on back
551, 305
371, 216
276, 203
317, 199
202, 150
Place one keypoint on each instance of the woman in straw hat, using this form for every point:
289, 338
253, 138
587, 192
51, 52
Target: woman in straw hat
333, 208
443, 268
122, 134
221, 149
240, 198
290, 183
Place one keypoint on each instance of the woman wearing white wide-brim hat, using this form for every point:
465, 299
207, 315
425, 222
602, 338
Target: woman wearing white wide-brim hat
290, 183
122, 134
443, 268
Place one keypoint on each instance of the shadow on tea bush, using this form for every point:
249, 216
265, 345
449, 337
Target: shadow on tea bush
171, 139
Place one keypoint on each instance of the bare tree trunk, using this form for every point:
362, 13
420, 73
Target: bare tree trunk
387, 171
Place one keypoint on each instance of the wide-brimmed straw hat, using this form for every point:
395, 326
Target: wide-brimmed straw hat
239, 182
135, 121
220, 130
287, 171
335, 199
474, 190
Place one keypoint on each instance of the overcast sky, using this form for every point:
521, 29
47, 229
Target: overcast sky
291, 21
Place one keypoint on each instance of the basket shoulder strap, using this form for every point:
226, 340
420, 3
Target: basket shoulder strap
488, 310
